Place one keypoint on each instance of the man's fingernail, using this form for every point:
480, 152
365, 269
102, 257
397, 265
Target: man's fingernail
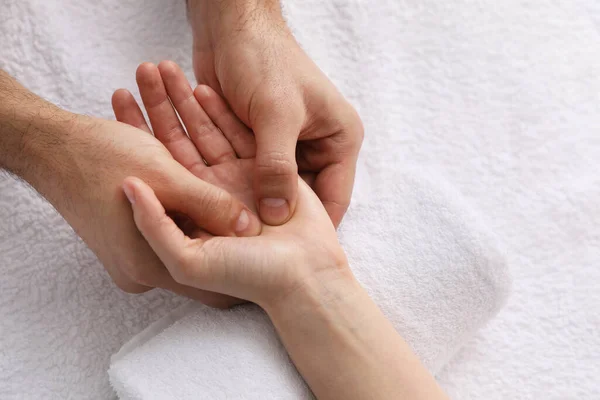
277, 209
129, 193
242, 222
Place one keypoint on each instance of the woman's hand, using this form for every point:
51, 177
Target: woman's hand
246, 53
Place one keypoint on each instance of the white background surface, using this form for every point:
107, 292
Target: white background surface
502, 98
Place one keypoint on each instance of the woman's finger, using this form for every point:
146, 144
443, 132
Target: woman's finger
241, 138
160, 231
185, 258
182, 256
197, 263
211, 143
169, 244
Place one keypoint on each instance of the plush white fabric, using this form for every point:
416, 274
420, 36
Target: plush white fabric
500, 97
411, 241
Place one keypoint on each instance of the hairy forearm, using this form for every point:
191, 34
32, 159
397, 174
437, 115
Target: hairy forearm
217, 18
32, 133
345, 348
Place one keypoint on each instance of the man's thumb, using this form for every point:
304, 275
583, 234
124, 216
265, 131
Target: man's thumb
276, 173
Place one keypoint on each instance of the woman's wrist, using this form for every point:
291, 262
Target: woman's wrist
312, 294
344, 347
322, 325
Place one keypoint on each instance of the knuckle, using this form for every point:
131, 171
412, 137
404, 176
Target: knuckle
172, 134
163, 223
205, 130
276, 100
150, 224
216, 202
181, 269
188, 265
276, 164
225, 156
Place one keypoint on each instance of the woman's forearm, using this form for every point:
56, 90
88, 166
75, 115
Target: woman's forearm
345, 348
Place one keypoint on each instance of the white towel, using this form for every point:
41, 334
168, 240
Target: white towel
411, 241
501, 98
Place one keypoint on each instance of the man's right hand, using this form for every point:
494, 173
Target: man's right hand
79, 163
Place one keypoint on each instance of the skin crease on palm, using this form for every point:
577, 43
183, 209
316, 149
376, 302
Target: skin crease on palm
229, 172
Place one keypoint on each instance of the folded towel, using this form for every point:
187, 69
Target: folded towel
413, 243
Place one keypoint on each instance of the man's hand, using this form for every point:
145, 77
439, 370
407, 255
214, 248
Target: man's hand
220, 153
244, 51
78, 163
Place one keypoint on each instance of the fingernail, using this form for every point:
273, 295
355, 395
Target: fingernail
242, 222
129, 193
276, 209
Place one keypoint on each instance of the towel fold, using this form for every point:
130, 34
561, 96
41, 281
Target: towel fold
411, 240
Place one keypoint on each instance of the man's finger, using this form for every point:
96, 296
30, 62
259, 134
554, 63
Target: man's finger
238, 134
128, 111
211, 143
334, 186
164, 119
276, 177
